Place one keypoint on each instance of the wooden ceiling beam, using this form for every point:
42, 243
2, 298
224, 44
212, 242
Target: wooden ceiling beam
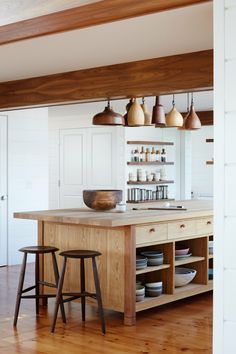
85, 16
160, 76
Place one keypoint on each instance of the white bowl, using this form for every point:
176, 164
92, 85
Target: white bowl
154, 285
183, 276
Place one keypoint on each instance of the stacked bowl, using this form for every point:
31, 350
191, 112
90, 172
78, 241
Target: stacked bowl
140, 292
154, 258
183, 276
153, 289
141, 262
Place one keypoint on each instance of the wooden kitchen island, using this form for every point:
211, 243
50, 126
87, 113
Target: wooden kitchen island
118, 236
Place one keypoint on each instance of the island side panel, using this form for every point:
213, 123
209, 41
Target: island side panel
130, 276
111, 265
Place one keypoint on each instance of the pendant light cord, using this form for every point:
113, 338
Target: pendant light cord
192, 98
173, 102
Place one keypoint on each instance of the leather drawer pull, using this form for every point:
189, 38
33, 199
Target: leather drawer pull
152, 230
182, 226
208, 222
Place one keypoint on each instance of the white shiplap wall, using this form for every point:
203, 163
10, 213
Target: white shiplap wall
201, 173
225, 177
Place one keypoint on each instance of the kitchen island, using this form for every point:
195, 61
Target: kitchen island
118, 236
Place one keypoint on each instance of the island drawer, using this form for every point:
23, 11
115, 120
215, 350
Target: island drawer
182, 228
204, 226
150, 233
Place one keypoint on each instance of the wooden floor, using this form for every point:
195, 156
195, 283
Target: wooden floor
182, 327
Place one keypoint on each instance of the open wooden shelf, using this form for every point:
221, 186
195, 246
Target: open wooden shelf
148, 201
190, 259
149, 269
193, 288
149, 163
143, 142
152, 182
179, 293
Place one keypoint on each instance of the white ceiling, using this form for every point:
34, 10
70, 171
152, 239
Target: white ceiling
178, 31
18, 10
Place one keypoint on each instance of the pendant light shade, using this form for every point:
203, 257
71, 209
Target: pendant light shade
108, 117
186, 115
192, 121
158, 114
174, 118
135, 115
131, 101
147, 115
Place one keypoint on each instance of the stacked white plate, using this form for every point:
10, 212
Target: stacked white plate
210, 246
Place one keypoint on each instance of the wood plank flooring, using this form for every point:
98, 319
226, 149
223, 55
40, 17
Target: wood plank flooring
181, 327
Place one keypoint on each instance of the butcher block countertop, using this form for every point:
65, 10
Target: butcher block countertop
85, 216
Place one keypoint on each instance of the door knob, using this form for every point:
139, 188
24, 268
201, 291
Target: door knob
3, 197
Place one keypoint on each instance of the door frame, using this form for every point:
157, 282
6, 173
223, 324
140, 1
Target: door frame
4, 243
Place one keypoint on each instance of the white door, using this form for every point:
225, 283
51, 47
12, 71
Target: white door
3, 190
72, 167
87, 161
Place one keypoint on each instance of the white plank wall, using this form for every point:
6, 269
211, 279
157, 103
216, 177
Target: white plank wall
225, 177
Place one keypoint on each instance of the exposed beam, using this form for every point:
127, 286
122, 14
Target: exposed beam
159, 76
85, 16
206, 117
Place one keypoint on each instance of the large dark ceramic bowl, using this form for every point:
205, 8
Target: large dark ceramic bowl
102, 199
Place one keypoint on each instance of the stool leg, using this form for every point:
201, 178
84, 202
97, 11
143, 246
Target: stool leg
82, 287
56, 274
98, 295
20, 288
37, 283
59, 294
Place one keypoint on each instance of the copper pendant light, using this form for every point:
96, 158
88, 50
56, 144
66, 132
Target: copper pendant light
174, 119
108, 117
147, 115
158, 114
192, 121
187, 113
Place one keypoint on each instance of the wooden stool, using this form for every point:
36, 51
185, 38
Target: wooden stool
37, 250
82, 255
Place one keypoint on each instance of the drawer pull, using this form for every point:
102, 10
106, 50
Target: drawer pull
182, 226
208, 222
152, 230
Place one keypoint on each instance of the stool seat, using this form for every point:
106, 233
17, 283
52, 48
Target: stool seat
38, 249
80, 254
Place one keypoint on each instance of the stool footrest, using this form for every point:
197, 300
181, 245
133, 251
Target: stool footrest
43, 296
50, 285
74, 296
28, 289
